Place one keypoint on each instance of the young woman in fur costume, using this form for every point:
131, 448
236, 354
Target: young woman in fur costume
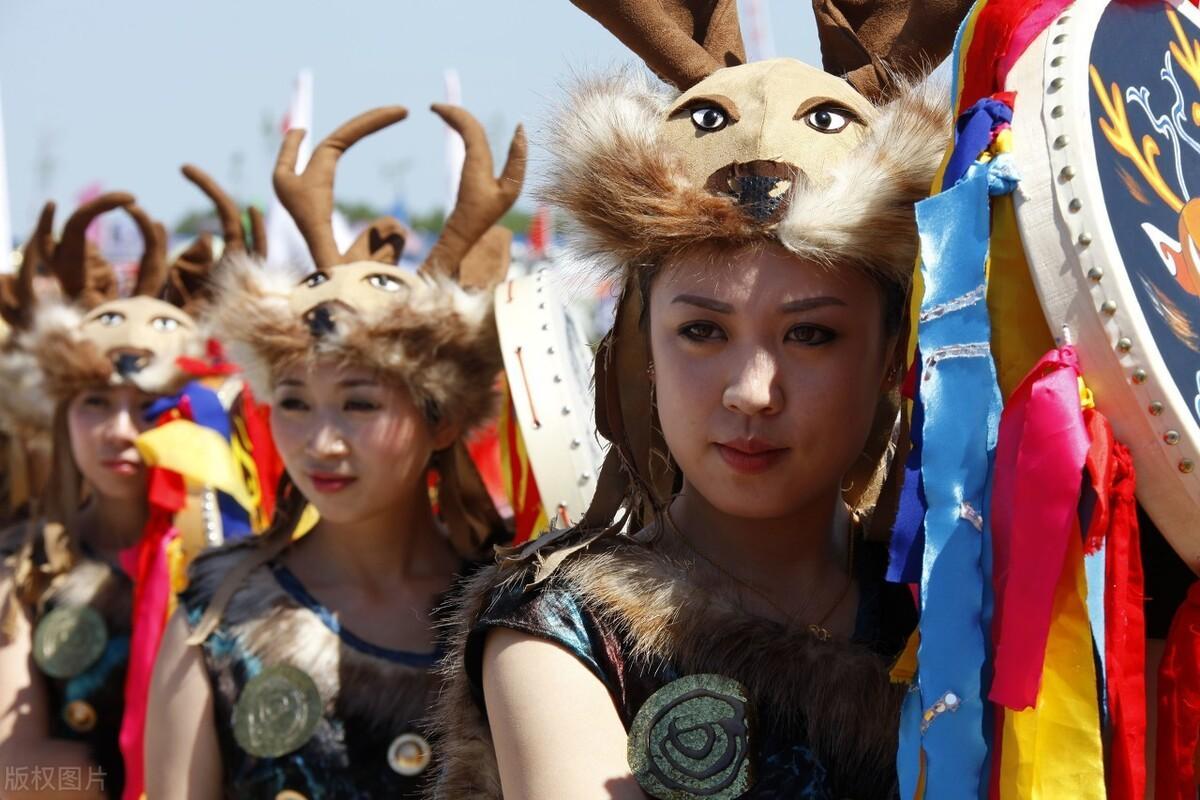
65, 591
718, 624
300, 663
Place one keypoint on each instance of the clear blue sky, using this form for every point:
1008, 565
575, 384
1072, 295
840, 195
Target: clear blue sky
125, 91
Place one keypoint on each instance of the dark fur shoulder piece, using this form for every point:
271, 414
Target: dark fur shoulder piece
269, 623
837, 696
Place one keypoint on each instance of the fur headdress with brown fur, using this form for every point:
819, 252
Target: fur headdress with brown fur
432, 332
732, 153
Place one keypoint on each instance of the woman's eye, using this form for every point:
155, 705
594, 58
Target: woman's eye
361, 405
810, 335
164, 324
385, 282
95, 401
701, 332
316, 279
111, 318
709, 118
293, 404
827, 120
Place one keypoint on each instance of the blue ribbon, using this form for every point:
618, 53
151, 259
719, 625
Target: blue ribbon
973, 135
961, 404
208, 412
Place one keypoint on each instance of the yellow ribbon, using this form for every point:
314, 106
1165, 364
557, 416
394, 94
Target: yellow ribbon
201, 455
1054, 749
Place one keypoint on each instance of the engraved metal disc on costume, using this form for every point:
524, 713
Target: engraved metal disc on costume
277, 712
68, 640
692, 738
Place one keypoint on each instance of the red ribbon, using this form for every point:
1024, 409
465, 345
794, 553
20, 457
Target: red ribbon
1114, 524
268, 464
146, 563
1035, 500
1003, 31
1179, 704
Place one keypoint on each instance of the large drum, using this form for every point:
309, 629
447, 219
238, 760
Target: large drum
1107, 139
549, 369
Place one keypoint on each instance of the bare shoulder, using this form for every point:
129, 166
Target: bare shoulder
555, 728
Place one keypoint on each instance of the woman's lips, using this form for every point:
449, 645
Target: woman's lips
329, 484
122, 466
749, 456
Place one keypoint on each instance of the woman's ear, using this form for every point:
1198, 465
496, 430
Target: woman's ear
444, 434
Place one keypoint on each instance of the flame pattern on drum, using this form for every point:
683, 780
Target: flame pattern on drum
1145, 76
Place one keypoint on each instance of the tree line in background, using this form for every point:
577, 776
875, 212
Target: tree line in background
195, 222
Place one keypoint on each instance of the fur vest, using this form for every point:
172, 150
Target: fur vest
370, 698
669, 620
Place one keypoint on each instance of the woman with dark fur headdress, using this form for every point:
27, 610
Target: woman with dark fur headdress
718, 624
300, 662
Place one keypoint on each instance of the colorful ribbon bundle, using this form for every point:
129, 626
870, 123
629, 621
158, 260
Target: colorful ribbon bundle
195, 442
1017, 519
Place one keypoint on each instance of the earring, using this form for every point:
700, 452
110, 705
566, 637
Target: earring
650, 371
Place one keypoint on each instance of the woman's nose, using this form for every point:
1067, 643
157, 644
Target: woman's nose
328, 442
754, 388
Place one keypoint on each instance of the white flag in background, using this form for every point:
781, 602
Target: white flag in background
456, 151
284, 242
760, 39
6, 240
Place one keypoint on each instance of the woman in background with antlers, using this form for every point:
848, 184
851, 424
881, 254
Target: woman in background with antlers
299, 664
718, 624
67, 589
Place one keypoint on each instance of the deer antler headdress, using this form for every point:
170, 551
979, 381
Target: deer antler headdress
189, 281
96, 338
432, 331
827, 163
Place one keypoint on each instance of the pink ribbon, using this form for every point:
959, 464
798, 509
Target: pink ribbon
1035, 498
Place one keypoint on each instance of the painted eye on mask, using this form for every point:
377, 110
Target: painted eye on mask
709, 118
384, 282
164, 324
111, 319
315, 280
827, 120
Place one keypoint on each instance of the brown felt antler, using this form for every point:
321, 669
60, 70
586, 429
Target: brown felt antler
874, 42
152, 271
683, 41
188, 277
81, 271
308, 197
17, 298
482, 198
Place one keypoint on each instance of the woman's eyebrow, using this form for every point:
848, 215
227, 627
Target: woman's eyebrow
354, 383
290, 382
704, 302
809, 303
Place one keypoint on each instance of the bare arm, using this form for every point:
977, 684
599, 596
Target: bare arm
183, 758
556, 730
25, 742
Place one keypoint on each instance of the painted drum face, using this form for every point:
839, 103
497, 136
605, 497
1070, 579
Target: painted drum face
1106, 137
1146, 128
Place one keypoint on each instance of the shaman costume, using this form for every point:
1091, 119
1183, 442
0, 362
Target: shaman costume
303, 706
717, 702
82, 607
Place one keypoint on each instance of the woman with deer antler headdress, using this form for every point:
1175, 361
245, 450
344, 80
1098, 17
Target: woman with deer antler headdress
374, 376
718, 624
67, 587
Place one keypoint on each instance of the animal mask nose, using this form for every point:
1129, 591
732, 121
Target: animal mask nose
129, 362
760, 188
320, 321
